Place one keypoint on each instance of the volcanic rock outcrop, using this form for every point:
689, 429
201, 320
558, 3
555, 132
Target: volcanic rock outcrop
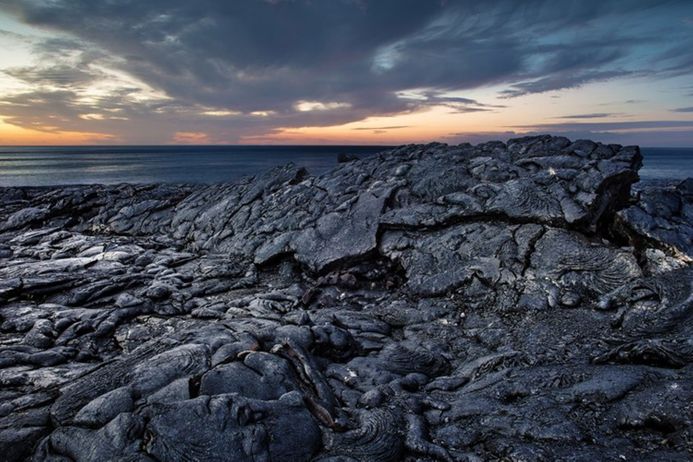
454, 303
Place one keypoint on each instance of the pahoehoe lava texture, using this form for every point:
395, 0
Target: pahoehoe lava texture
456, 303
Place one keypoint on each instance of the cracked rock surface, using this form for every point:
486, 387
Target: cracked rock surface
431, 303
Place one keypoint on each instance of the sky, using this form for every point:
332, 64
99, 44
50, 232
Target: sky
344, 71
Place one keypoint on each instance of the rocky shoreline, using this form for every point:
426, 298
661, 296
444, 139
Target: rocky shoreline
495, 302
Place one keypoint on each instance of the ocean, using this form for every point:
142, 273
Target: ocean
59, 165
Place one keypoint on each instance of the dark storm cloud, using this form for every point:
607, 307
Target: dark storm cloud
353, 56
249, 55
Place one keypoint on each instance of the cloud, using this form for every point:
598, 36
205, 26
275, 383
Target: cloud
610, 126
61, 75
683, 109
593, 115
393, 127
307, 106
252, 67
191, 138
562, 80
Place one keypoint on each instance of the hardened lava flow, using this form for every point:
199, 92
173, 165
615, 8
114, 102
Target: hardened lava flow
510, 301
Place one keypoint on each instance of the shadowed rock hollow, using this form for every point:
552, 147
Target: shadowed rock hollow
501, 301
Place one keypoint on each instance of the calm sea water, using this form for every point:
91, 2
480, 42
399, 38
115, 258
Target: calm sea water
44, 166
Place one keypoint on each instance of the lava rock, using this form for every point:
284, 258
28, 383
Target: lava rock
505, 301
